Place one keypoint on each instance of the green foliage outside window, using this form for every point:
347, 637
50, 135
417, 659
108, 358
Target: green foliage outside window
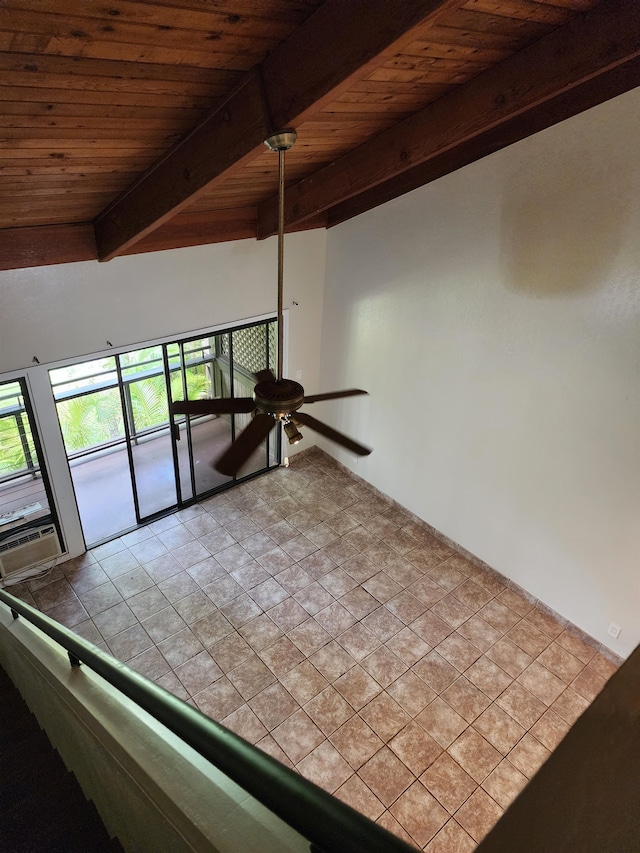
96, 418
12, 458
93, 419
16, 440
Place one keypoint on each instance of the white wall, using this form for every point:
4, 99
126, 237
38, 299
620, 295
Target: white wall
69, 310
494, 316
62, 312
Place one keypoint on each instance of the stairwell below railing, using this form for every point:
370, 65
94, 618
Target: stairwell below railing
42, 805
162, 779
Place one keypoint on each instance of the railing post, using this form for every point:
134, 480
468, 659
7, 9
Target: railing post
128, 411
213, 372
25, 445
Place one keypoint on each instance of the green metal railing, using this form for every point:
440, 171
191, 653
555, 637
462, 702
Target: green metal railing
329, 824
18, 412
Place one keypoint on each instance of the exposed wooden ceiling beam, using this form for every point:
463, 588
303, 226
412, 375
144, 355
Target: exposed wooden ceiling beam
595, 91
340, 42
202, 227
46, 244
227, 139
196, 228
590, 45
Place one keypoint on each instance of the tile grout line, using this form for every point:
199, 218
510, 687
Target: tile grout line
343, 630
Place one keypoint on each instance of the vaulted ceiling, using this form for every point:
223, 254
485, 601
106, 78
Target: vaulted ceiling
137, 125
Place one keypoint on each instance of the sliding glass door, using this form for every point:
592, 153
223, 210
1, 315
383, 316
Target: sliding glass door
232, 359
203, 438
130, 459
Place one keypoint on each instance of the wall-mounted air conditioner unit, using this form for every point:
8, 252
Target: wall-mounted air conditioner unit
27, 549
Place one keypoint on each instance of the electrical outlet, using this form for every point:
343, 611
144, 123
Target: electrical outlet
298, 375
614, 630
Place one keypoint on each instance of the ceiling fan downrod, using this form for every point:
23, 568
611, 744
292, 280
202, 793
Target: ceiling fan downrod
280, 142
275, 400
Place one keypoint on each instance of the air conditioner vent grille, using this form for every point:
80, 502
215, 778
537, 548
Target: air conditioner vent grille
27, 549
20, 540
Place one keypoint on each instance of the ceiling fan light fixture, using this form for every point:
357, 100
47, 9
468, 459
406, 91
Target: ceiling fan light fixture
293, 433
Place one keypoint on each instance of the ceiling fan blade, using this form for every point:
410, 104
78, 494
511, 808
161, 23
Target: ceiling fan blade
249, 440
220, 406
334, 395
333, 434
264, 375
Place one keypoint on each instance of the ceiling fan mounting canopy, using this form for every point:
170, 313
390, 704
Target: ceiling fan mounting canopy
275, 399
281, 141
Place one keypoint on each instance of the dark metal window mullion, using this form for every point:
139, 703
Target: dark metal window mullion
216, 375
128, 410
278, 454
174, 446
232, 390
132, 473
40, 456
275, 435
267, 365
187, 419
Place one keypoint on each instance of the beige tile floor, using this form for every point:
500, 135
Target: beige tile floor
324, 624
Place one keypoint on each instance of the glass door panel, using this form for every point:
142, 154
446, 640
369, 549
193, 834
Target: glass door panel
252, 349
102, 485
93, 433
143, 376
181, 442
208, 374
89, 410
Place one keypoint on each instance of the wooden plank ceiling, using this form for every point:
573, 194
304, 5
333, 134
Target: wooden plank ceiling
136, 125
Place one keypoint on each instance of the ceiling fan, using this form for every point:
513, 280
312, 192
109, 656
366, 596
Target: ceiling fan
275, 399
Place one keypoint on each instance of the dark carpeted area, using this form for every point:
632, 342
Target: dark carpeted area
42, 805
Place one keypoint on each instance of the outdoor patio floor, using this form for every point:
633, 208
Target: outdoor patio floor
102, 481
